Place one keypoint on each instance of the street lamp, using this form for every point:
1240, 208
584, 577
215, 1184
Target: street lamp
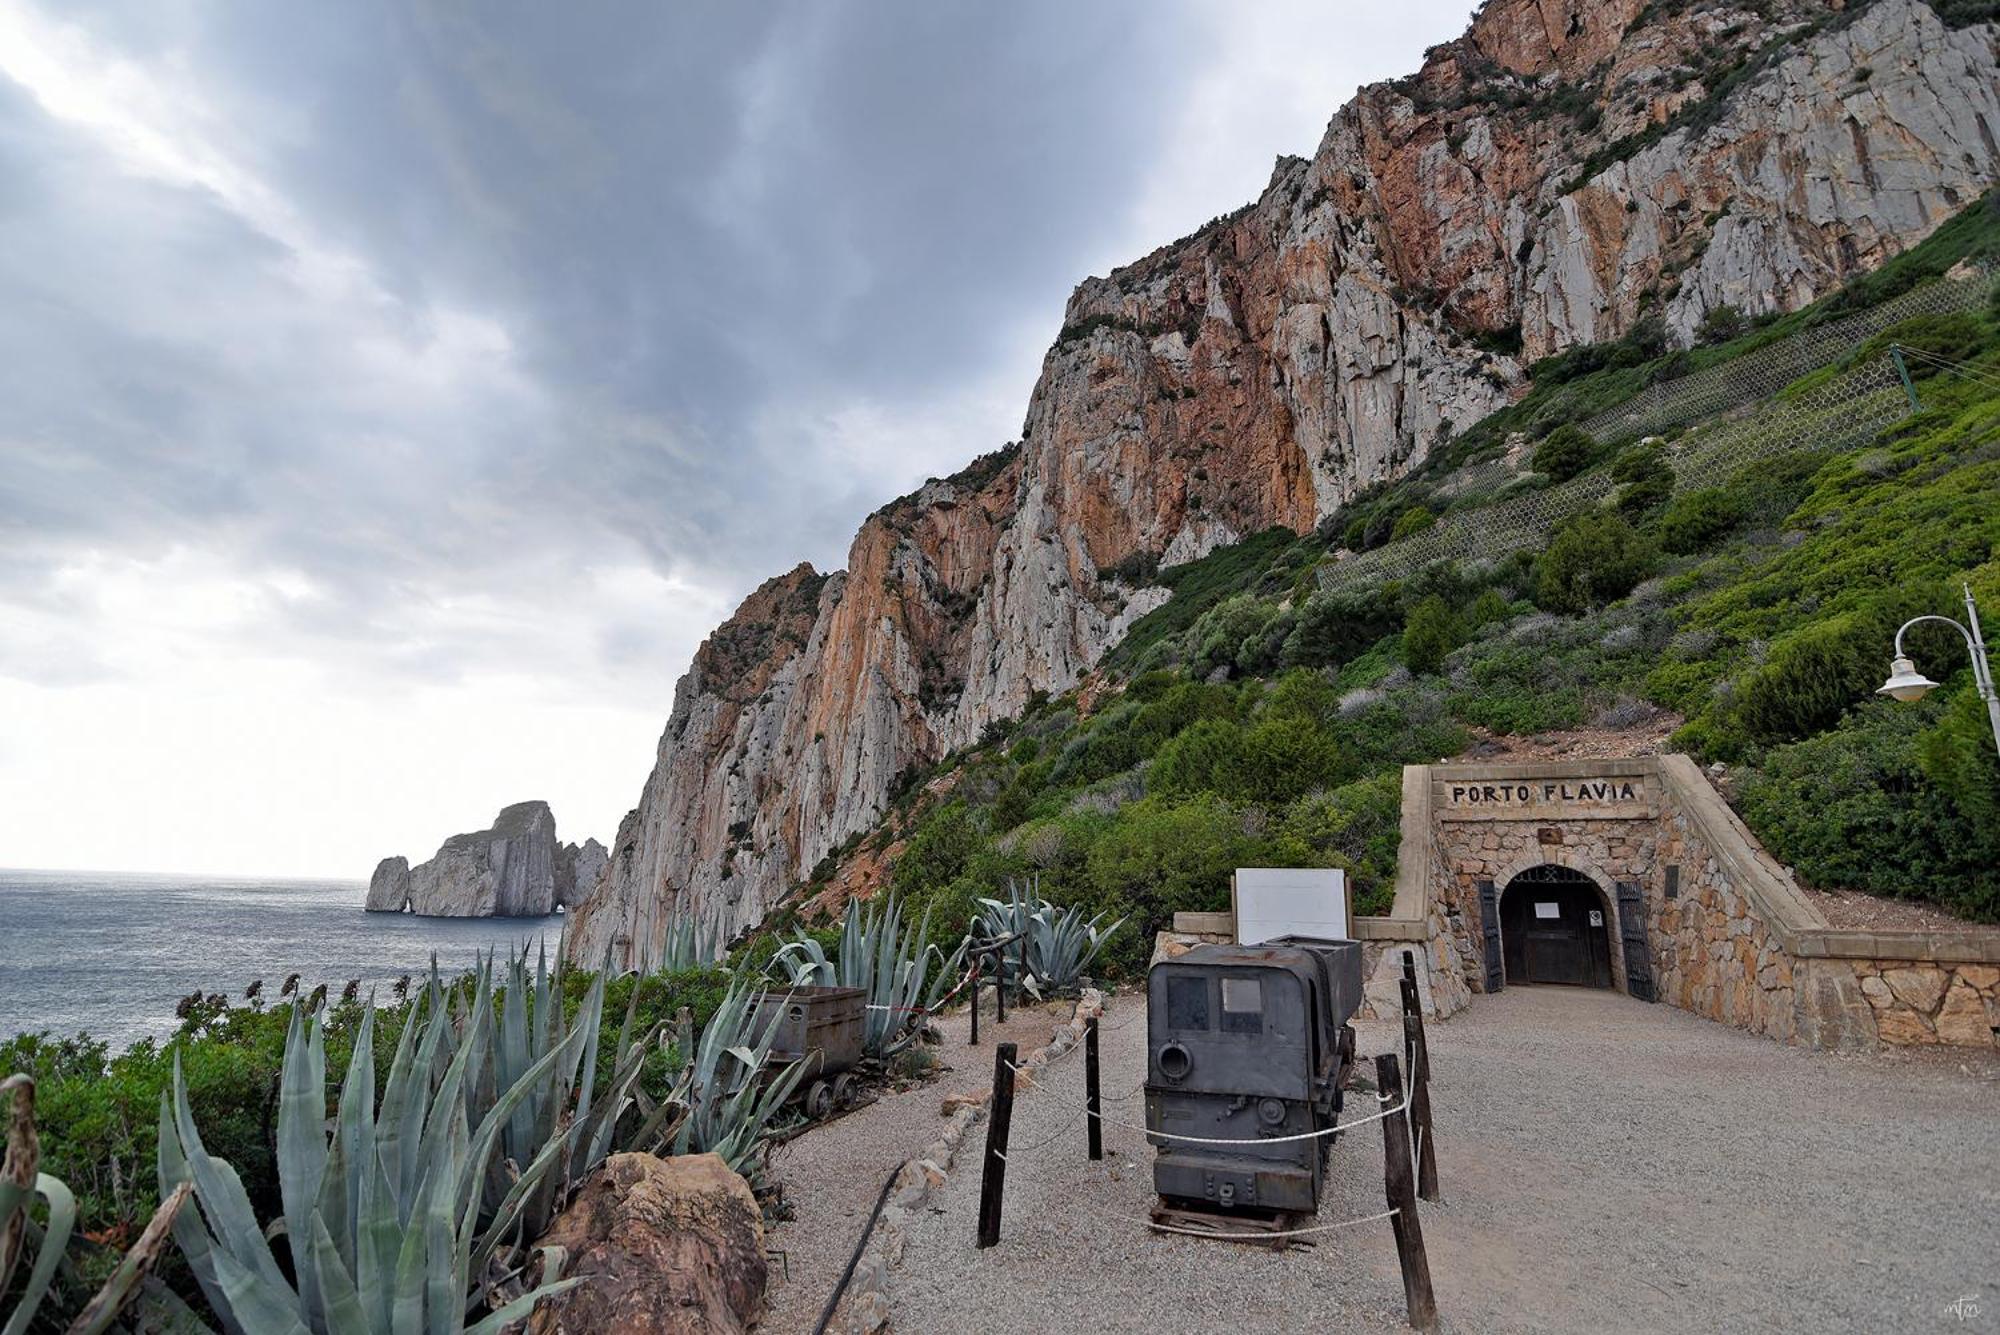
1906, 683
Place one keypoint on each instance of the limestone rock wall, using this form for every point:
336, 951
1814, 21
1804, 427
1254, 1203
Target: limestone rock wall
1561, 171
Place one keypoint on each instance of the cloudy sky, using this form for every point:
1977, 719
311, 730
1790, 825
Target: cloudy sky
394, 392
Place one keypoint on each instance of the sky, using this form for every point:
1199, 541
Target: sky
393, 393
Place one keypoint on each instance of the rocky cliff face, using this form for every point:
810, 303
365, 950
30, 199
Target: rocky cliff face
514, 869
577, 871
1564, 170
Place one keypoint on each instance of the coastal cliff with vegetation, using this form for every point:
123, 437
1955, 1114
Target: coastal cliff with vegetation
1568, 201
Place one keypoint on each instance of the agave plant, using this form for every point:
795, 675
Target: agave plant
729, 1097
904, 975
689, 943
563, 1114
1057, 943
383, 1218
20, 1182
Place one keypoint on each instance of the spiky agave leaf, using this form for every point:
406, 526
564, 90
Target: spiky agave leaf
386, 1244
730, 1099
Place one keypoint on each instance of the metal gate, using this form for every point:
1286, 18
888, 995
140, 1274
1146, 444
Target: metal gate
1553, 923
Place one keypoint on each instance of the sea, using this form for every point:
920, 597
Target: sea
112, 954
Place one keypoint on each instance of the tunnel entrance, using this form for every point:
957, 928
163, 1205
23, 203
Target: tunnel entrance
1555, 925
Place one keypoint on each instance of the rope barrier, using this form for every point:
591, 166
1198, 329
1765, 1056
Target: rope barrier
1258, 1236
1159, 1227
1403, 1107
1062, 1133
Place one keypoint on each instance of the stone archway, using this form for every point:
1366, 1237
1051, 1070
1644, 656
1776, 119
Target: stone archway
1519, 876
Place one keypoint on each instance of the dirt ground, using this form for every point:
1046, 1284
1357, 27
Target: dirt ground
832, 1173
1606, 1165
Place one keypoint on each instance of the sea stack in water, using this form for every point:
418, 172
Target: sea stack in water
515, 869
389, 887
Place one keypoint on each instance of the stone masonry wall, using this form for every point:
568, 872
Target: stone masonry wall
1729, 935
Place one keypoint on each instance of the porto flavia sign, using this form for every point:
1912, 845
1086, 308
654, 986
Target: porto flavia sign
1546, 791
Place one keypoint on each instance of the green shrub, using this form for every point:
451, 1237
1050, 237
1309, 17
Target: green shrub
1648, 480
1413, 520
937, 852
1854, 808
1199, 585
1217, 638
1433, 632
1766, 491
1565, 452
1165, 857
1955, 336
1592, 558
1357, 826
1333, 628
1720, 324
1810, 679
1695, 520
1489, 607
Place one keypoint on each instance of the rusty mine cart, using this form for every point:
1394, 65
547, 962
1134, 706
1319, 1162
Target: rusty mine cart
821, 1027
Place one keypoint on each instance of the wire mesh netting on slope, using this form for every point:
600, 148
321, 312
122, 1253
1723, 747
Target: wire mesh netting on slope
1755, 375
1844, 412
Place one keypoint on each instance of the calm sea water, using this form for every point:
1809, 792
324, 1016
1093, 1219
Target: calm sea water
112, 953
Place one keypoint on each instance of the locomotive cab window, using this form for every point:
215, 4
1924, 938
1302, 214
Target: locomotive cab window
1187, 1003
1242, 1006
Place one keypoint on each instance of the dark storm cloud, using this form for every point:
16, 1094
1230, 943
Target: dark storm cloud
454, 300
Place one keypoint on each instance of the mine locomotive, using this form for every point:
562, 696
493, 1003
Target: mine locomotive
1249, 1044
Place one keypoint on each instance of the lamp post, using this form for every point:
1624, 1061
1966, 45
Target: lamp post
1906, 683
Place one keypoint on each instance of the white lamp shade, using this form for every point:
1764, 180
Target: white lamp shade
1905, 682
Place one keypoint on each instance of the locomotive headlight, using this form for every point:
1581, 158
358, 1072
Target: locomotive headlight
1174, 1061
1271, 1112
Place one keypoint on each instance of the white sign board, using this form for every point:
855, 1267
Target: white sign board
1547, 911
1291, 901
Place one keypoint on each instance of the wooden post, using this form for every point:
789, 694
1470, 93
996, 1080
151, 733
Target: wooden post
1420, 1093
1399, 1186
993, 1178
1093, 1104
975, 1001
1000, 981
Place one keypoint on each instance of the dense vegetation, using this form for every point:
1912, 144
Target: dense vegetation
98, 1112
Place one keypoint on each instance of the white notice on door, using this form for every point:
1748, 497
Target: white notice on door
1546, 910
1597, 918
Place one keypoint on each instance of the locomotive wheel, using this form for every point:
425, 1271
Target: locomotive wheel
846, 1090
819, 1100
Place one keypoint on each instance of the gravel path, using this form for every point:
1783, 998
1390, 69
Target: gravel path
831, 1174
1606, 1165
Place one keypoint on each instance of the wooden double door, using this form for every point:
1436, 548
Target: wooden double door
1554, 926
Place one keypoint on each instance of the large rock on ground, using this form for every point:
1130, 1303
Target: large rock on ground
669, 1245
389, 887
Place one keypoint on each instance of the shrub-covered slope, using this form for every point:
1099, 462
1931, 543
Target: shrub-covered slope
1253, 718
